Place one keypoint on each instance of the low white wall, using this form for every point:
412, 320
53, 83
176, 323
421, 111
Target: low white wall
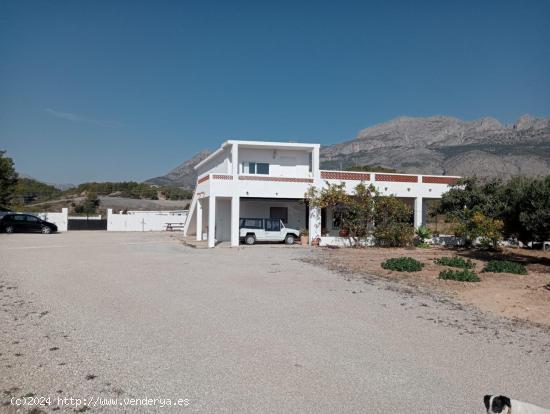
144, 220
59, 219
330, 241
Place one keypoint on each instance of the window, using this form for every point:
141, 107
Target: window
255, 168
32, 219
262, 168
251, 223
19, 218
273, 225
279, 213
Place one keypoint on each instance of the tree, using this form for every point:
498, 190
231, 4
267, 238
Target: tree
469, 194
475, 224
364, 210
392, 227
30, 191
354, 210
520, 207
89, 206
533, 210
8, 179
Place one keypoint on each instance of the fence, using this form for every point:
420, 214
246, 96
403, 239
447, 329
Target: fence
87, 223
59, 219
146, 220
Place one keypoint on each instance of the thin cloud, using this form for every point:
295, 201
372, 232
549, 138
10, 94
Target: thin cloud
69, 116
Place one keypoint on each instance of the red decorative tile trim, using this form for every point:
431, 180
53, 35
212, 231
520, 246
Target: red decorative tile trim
337, 175
439, 180
222, 177
396, 178
279, 179
203, 179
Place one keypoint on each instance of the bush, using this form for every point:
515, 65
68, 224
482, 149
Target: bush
423, 233
474, 224
460, 275
505, 266
455, 262
402, 264
392, 222
520, 207
393, 234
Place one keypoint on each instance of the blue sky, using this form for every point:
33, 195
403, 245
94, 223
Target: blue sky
126, 90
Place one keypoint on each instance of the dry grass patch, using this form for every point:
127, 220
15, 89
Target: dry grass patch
521, 296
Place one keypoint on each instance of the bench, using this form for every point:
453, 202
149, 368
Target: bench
174, 226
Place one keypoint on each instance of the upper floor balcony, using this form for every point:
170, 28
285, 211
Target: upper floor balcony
268, 185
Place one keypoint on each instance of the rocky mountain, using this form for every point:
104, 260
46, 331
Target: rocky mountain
446, 145
433, 145
183, 175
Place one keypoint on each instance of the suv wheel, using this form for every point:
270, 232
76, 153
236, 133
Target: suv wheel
289, 239
46, 230
9, 229
250, 239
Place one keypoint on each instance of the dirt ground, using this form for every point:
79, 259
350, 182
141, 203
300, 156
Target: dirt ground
514, 296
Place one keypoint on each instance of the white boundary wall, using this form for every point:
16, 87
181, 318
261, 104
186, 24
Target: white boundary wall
144, 220
59, 219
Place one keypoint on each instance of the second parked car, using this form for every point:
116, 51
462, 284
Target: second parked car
25, 223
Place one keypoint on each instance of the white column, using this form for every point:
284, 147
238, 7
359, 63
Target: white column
198, 212
315, 162
65, 220
235, 207
235, 160
211, 221
418, 216
314, 223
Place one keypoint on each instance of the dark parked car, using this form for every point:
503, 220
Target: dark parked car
24, 223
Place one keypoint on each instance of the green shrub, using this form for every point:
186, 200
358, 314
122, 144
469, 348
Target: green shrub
505, 266
393, 235
423, 233
455, 262
402, 264
460, 275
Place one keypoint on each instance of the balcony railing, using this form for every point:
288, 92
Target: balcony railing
340, 176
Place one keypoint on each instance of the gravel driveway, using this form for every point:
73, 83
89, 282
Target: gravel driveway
122, 316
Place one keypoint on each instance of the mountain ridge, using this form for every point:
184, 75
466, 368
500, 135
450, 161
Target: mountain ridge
437, 144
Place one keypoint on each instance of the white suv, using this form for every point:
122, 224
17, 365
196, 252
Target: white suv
269, 230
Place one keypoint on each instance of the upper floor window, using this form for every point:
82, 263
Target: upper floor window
255, 168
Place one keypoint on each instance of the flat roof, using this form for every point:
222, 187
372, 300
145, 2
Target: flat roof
273, 144
259, 144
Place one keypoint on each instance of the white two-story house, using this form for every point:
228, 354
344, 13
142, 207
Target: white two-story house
255, 179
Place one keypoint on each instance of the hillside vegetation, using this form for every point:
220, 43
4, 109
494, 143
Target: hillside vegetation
32, 195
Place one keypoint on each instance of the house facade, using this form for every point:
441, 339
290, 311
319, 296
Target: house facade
256, 179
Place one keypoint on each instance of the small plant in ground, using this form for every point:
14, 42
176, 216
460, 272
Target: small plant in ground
455, 262
460, 275
402, 264
505, 266
423, 233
